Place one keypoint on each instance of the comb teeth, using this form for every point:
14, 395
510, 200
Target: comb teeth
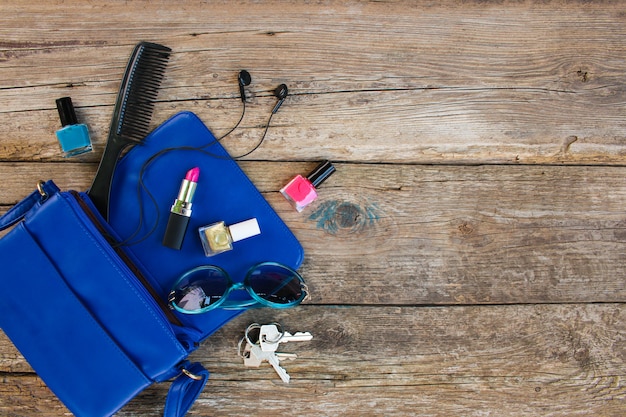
131, 114
145, 73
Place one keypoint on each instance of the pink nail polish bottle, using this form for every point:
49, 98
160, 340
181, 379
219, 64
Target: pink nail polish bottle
302, 191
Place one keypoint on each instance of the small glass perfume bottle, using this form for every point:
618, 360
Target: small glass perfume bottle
217, 237
73, 137
302, 191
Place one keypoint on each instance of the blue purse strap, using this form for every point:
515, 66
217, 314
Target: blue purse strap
185, 390
37, 197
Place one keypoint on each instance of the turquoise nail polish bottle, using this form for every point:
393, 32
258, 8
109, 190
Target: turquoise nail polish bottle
73, 137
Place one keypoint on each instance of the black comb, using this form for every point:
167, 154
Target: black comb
131, 116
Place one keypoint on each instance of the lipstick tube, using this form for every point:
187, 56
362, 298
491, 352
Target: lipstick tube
181, 211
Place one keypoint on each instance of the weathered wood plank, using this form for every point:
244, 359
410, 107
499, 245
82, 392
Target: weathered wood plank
446, 289
412, 235
393, 127
369, 81
549, 360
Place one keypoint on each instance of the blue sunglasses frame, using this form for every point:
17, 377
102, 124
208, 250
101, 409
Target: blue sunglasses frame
255, 301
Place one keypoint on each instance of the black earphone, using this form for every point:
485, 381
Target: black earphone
244, 80
281, 93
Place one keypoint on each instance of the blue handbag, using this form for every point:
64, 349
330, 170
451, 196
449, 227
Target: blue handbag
76, 310
89, 315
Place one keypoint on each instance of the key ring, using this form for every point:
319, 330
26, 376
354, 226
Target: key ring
253, 326
281, 333
240, 353
246, 337
257, 326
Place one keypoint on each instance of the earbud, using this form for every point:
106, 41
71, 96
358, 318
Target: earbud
244, 79
281, 93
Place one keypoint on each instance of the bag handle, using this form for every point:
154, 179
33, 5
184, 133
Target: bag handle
39, 196
185, 390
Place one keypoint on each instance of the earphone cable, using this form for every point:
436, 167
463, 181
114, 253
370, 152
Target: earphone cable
141, 186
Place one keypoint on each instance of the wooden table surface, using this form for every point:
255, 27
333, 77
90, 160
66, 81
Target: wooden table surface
468, 257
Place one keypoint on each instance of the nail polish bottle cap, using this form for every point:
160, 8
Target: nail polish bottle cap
66, 111
320, 173
244, 230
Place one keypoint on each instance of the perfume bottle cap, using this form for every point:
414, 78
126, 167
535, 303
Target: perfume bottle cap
66, 111
244, 230
320, 173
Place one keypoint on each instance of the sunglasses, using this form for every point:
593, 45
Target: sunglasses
208, 287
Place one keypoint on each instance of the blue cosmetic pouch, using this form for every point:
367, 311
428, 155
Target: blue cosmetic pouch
224, 193
90, 315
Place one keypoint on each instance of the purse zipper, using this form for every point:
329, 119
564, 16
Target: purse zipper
169, 314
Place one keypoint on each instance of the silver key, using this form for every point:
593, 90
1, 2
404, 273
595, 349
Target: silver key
252, 361
270, 337
296, 337
282, 356
258, 354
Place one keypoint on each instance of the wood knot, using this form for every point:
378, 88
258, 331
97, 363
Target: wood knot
348, 215
466, 229
581, 355
334, 216
337, 338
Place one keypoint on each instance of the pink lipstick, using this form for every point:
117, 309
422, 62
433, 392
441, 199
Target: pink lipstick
181, 211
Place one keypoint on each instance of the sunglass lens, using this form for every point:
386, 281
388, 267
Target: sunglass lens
276, 284
198, 289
